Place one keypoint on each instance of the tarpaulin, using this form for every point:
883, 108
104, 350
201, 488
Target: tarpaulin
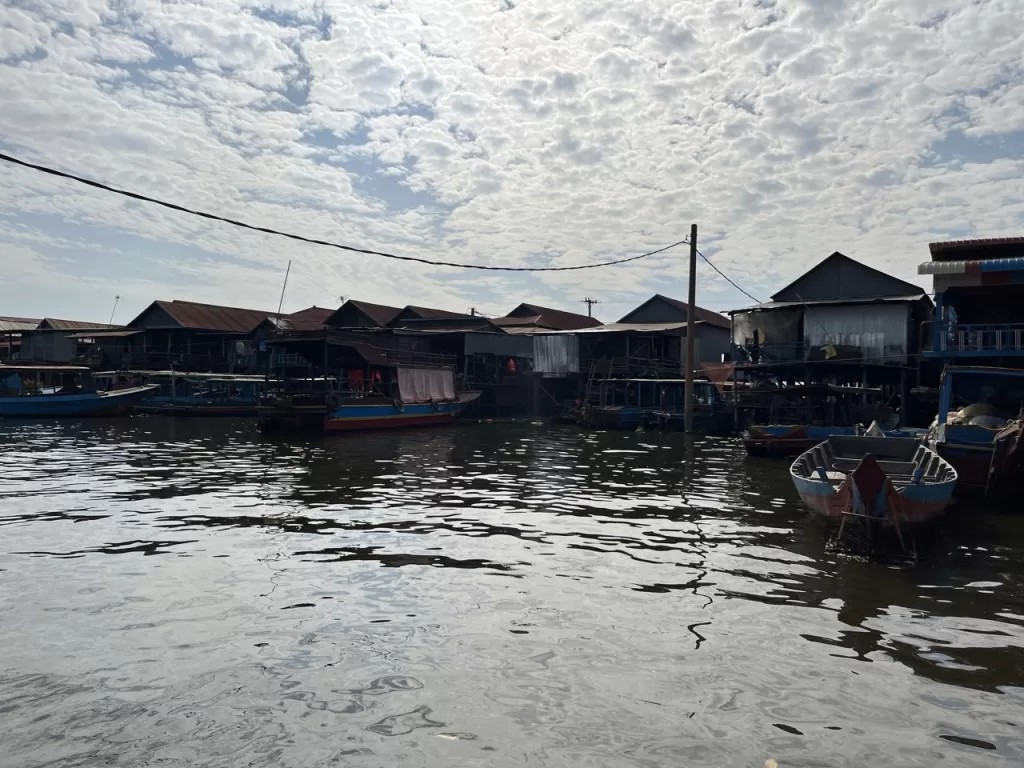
718, 373
421, 385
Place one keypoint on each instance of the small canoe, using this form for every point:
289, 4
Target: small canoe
895, 481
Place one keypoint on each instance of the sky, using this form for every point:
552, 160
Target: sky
500, 132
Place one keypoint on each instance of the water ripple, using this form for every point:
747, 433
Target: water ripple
186, 593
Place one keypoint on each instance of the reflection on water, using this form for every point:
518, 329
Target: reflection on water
187, 593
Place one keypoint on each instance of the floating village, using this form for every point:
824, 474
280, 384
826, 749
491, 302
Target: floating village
884, 401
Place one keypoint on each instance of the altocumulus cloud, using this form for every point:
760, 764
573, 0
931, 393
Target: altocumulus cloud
529, 132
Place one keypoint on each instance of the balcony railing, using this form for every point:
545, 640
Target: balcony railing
946, 340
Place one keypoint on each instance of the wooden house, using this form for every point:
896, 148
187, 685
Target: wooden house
840, 313
192, 336
11, 330
979, 301
63, 341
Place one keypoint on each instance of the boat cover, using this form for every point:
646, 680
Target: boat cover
421, 385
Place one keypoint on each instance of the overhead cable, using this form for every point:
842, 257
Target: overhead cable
313, 241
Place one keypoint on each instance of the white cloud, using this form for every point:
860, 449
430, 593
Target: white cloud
540, 132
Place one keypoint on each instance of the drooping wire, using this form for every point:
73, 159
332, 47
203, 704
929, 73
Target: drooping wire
728, 279
313, 241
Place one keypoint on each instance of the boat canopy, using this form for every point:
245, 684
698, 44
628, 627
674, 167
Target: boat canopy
43, 368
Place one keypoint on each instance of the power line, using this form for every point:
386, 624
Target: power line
727, 278
313, 241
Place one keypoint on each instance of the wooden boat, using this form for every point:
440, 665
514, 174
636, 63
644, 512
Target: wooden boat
201, 394
892, 481
973, 430
54, 391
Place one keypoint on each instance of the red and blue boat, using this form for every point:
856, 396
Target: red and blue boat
895, 482
61, 391
330, 382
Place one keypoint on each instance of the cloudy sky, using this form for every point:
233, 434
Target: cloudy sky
521, 132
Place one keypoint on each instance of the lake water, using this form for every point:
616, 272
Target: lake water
186, 593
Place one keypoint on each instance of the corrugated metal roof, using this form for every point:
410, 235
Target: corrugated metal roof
825, 302
429, 313
381, 314
556, 319
985, 248
964, 267
447, 324
706, 315
14, 324
626, 328
950, 245
527, 330
212, 317
52, 323
516, 322
309, 319
104, 334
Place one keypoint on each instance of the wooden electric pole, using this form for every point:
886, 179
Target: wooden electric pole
590, 304
691, 331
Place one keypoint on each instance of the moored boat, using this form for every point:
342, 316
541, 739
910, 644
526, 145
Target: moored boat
894, 481
341, 383
658, 403
978, 408
785, 440
55, 391
201, 394
785, 421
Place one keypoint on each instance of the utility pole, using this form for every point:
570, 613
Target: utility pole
691, 328
590, 303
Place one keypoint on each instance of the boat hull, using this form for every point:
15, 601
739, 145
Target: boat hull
969, 449
206, 410
916, 505
357, 418
614, 417
788, 440
363, 416
116, 403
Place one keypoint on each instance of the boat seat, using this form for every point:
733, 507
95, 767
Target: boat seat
888, 467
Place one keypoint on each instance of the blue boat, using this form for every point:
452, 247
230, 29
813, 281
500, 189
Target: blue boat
976, 405
54, 391
895, 482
